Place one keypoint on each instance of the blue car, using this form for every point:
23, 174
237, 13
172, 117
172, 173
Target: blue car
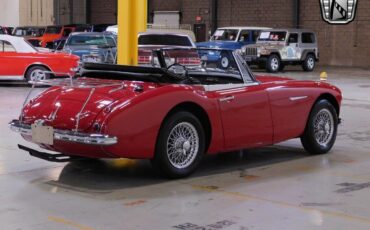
92, 47
232, 38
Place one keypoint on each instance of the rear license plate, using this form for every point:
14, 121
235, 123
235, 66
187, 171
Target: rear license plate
42, 134
91, 59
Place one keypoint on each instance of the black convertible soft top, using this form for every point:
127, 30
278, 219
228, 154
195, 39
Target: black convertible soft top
125, 72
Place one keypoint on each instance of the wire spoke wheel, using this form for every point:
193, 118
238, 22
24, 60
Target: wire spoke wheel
323, 127
182, 145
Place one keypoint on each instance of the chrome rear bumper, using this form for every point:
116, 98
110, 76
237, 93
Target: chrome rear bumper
67, 136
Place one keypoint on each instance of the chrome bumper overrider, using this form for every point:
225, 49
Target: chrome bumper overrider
67, 136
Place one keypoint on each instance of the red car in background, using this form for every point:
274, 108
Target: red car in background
53, 33
20, 60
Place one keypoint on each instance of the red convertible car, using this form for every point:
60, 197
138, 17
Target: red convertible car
20, 60
175, 114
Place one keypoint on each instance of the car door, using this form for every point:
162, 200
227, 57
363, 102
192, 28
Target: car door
9, 68
246, 116
294, 52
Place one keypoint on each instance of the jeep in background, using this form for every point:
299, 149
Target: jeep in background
277, 48
231, 38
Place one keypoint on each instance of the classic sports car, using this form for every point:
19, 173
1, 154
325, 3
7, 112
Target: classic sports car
175, 114
20, 60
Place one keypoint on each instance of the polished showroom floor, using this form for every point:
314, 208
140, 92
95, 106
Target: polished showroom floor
278, 187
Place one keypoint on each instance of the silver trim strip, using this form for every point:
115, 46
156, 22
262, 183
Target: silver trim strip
298, 98
227, 99
68, 136
14, 78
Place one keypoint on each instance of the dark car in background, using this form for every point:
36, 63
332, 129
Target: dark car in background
100, 27
29, 31
150, 41
92, 47
3, 30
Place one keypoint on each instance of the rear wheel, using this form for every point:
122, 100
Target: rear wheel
309, 63
37, 73
180, 145
321, 129
224, 62
273, 63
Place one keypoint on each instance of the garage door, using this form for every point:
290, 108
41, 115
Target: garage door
167, 18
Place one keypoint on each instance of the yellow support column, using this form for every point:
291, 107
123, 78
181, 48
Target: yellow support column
132, 19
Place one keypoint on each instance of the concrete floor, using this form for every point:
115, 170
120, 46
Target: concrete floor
279, 187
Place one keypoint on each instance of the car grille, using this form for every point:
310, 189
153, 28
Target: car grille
251, 51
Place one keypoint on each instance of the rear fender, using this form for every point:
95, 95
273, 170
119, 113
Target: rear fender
137, 121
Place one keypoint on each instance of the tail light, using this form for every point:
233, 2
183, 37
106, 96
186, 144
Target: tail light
145, 60
189, 61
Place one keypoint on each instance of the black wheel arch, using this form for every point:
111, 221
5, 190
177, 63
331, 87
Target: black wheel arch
306, 53
197, 111
330, 98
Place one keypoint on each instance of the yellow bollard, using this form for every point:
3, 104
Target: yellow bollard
132, 19
323, 76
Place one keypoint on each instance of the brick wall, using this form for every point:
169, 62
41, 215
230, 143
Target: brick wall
346, 45
103, 11
269, 13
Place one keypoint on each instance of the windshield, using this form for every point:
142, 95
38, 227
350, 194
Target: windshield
225, 35
199, 64
34, 32
91, 40
276, 36
53, 30
164, 40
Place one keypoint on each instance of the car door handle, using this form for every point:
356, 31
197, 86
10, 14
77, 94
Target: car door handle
227, 99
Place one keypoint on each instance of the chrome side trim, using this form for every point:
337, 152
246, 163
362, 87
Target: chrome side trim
227, 99
12, 78
222, 87
68, 136
298, 98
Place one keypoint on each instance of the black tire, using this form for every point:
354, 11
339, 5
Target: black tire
162, 159
282, 66
309, 140
33, 70
309, 63
273, 63
224, 62
262, 65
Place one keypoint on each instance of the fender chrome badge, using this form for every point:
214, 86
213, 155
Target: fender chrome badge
338, 11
